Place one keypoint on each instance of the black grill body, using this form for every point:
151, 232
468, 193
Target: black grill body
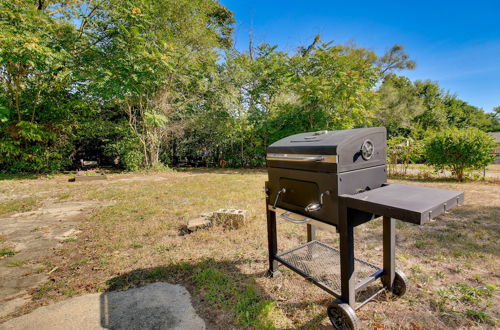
339, 178
332, 163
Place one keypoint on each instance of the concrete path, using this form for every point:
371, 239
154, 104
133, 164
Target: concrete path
33, 235
154, 306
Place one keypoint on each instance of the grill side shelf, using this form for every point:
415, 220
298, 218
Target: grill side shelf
320, 264
414, 204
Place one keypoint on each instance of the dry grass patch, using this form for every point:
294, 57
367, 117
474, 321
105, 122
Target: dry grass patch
453, 263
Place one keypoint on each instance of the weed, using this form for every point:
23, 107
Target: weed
80, 262
105, 259
6, 252
70, 292
16, 263
466, 293
480, 317
162, 248
420, 244
44, 290
70, 239
416, 269
19, 205
136, 245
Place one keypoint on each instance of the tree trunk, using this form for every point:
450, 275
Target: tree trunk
459, 172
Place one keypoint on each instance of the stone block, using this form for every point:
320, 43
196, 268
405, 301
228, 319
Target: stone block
198, 223
230, 218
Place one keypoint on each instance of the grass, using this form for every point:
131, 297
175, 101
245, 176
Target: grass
135, 237
5, 252
19, 205
221, 291
16, 263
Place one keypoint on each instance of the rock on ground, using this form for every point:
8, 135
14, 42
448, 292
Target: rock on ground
154, 306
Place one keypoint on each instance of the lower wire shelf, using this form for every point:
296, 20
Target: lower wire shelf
320, 263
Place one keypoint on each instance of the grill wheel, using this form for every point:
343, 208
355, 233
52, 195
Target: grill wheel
342, 316
401, 283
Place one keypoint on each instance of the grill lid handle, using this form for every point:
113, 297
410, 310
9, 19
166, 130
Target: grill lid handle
303, 158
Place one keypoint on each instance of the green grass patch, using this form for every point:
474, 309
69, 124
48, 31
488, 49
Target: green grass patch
480, 317
44, 290
20, 176
16, 263
467, 294
19, 205
222, 291
6, 252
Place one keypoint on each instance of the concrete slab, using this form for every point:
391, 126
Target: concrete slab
33, 235
154, 306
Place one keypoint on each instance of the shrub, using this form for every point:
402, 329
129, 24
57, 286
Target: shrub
402, 150
28, 147
459, 150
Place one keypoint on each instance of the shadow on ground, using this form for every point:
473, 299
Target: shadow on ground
222, 295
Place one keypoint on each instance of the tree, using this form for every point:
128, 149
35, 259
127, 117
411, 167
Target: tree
461, 114
36, 81
400, 104
460, 150
434, 115
494, 118
153, 60
333, 87
395, 59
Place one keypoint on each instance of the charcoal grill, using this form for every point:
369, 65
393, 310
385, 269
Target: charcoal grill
338, 178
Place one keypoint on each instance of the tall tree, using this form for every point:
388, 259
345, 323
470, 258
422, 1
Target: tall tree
153, 58
399, 105
394, 59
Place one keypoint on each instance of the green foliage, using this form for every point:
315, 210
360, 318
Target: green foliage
480, 317
6, 252
467, 294
400, 104
261, 98
404, 151
30, 147
494, 118
221, 291
459, 150
153, 82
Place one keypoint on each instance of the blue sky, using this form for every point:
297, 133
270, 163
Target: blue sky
456, 43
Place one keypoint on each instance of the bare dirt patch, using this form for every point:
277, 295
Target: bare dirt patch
29, 237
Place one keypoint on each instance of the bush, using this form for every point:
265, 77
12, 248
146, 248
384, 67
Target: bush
460, 150
128, 150
28, 147
404, 151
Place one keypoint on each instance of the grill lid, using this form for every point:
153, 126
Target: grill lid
346, 149
323, 142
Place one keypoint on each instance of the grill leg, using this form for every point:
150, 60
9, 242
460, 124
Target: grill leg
311, 233
389, 252
346, 245
272, 242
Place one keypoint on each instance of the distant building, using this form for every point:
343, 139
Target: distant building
496, 136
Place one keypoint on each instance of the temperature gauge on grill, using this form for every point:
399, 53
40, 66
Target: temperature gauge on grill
367, 150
